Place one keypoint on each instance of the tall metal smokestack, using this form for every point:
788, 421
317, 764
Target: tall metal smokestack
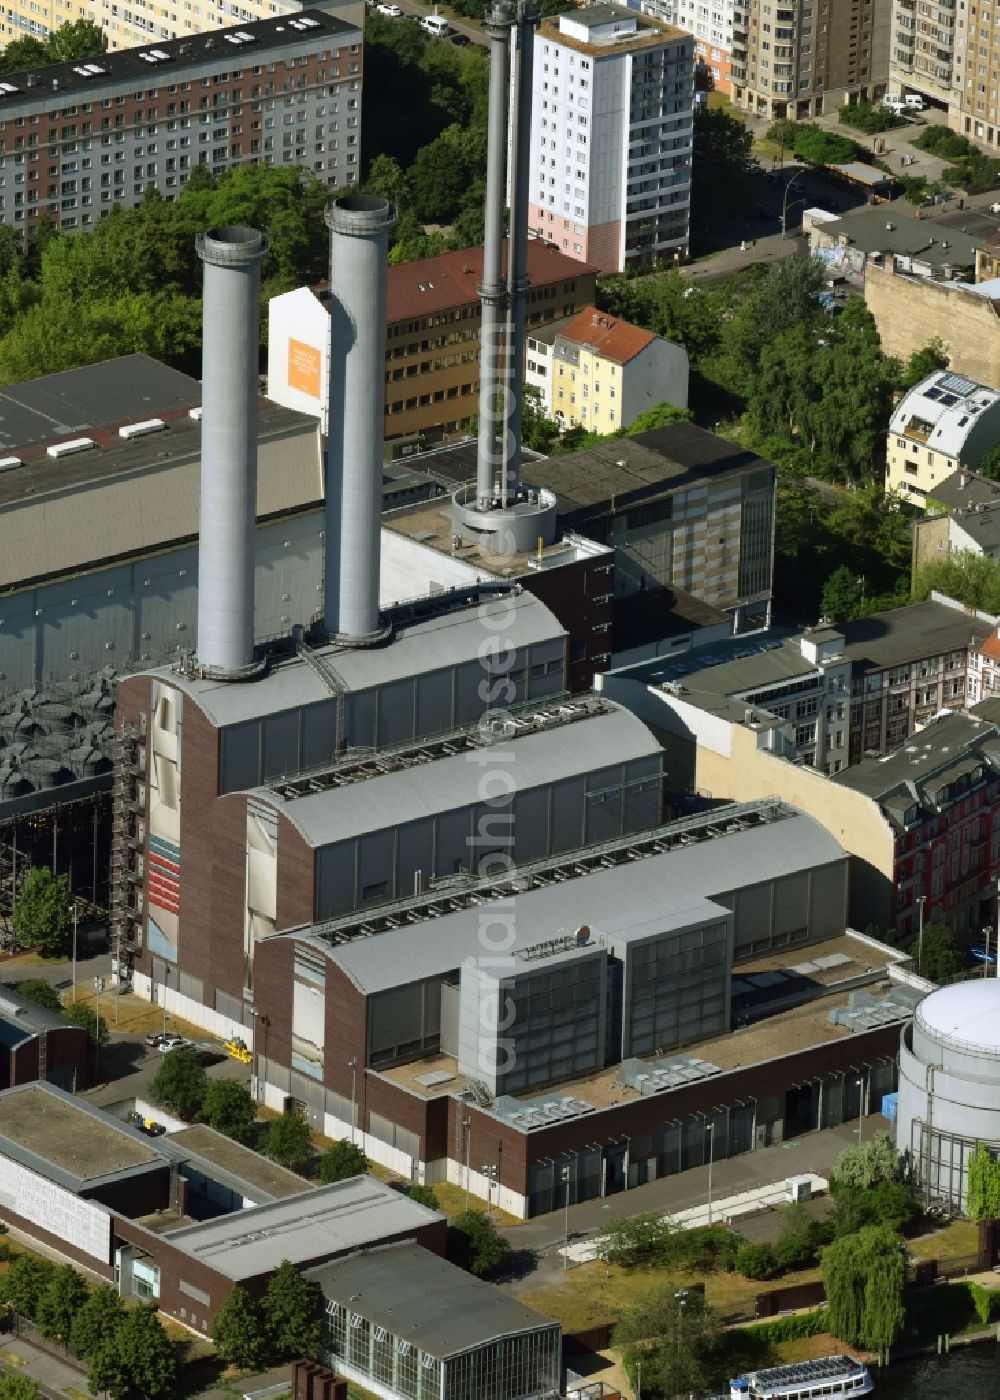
492, 293
359, 227
231, 339
517, 257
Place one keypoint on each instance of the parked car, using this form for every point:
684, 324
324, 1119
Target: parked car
436, 26
914, 102
171, 1042
154, 1038
995, 207
389, 10
461, 41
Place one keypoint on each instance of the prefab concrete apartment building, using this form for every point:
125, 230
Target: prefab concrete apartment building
611, 130
76, 139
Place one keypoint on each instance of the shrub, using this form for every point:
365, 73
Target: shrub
789, 1329
756, 1261
871, 120
344, 1159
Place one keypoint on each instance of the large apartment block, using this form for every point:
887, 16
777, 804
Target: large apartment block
712, 26
949, 52
611, 129
806, 57
76, 139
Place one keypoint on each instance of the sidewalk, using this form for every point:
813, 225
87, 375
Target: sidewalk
55, 1378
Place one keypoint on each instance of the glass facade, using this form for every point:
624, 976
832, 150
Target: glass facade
517, 1367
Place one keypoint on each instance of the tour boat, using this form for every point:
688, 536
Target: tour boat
827, 1377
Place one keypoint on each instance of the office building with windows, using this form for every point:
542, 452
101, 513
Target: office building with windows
77, 139
611, 129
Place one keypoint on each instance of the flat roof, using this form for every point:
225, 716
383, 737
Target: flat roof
222, 1157
921, 240
214, 47
68, 1140
21, 1018
422, 1299
967, 1014
955, 740
646, 32
426, 789
127, 389
446, 639
705, 869
635, 468
325, 1220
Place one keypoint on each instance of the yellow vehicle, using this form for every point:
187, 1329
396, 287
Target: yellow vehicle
238, 1049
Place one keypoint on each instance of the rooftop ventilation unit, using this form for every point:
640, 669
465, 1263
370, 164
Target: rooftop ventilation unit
67, 449
134, 430
89, 70
7, 463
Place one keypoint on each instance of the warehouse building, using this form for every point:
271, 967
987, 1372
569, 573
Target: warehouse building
175, 1221
39, 1044
949, 1072
409, 1326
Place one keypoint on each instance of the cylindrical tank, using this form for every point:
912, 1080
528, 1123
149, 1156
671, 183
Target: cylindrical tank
359, 227
231, 336
949, 1085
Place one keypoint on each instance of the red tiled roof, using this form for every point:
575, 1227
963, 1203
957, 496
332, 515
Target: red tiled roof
991, 647
610, 338
438, 284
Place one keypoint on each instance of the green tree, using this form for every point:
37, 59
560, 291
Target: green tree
423, 1195
863, 116
387, 178
180, 1083
475, 1244
41, 993
661, 415
21, 54
796, 1243
972, 579
25, 1282
868, 1164
80, 1014
756, 1260
228, 1107
843, 595
63, 1297
989, 465
782, 298
95, 1321
675, 1337
864, 1275
889, 1203
70, 42
923, 362
147, 1353
238, 1332
636, 1243
983, 1193
15, 1387
42, 917
344, 1159
289, 1141
107, 1372
724, 172
292, 1310
937, 954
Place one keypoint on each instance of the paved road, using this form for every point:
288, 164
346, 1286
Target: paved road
412, 10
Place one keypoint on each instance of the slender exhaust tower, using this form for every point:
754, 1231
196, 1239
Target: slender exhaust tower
359, 227
499, 513
517, 258
226, 532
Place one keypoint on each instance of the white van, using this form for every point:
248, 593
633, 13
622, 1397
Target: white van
894, 104
436, 26
914, 102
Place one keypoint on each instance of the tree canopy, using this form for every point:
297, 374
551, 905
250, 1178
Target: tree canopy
983, 1192
96, 1319
83, 1015
868, 1164
60, 1302
41, 993
674, 1336
724, 171
67, 43
228, 1107
475, 1244
937, 954
289, 1141
342, 1160
292, 1310
42, 917
238, 1332
180, 1083
864, 1275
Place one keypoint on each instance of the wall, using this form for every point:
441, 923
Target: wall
67, 1060
658, 373
910, 311
412, 569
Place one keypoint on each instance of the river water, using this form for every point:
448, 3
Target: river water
969, 1373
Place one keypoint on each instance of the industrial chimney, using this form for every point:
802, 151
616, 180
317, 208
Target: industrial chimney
359, 227
231, 337
502, 515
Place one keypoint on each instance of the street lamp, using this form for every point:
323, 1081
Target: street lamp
98, 989
681, 1297
784, 203
352, 1065
638, 1380
467, 1130
987, 931
490, 1173
73, 911
566, 1178
861, 1109
711, 1157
